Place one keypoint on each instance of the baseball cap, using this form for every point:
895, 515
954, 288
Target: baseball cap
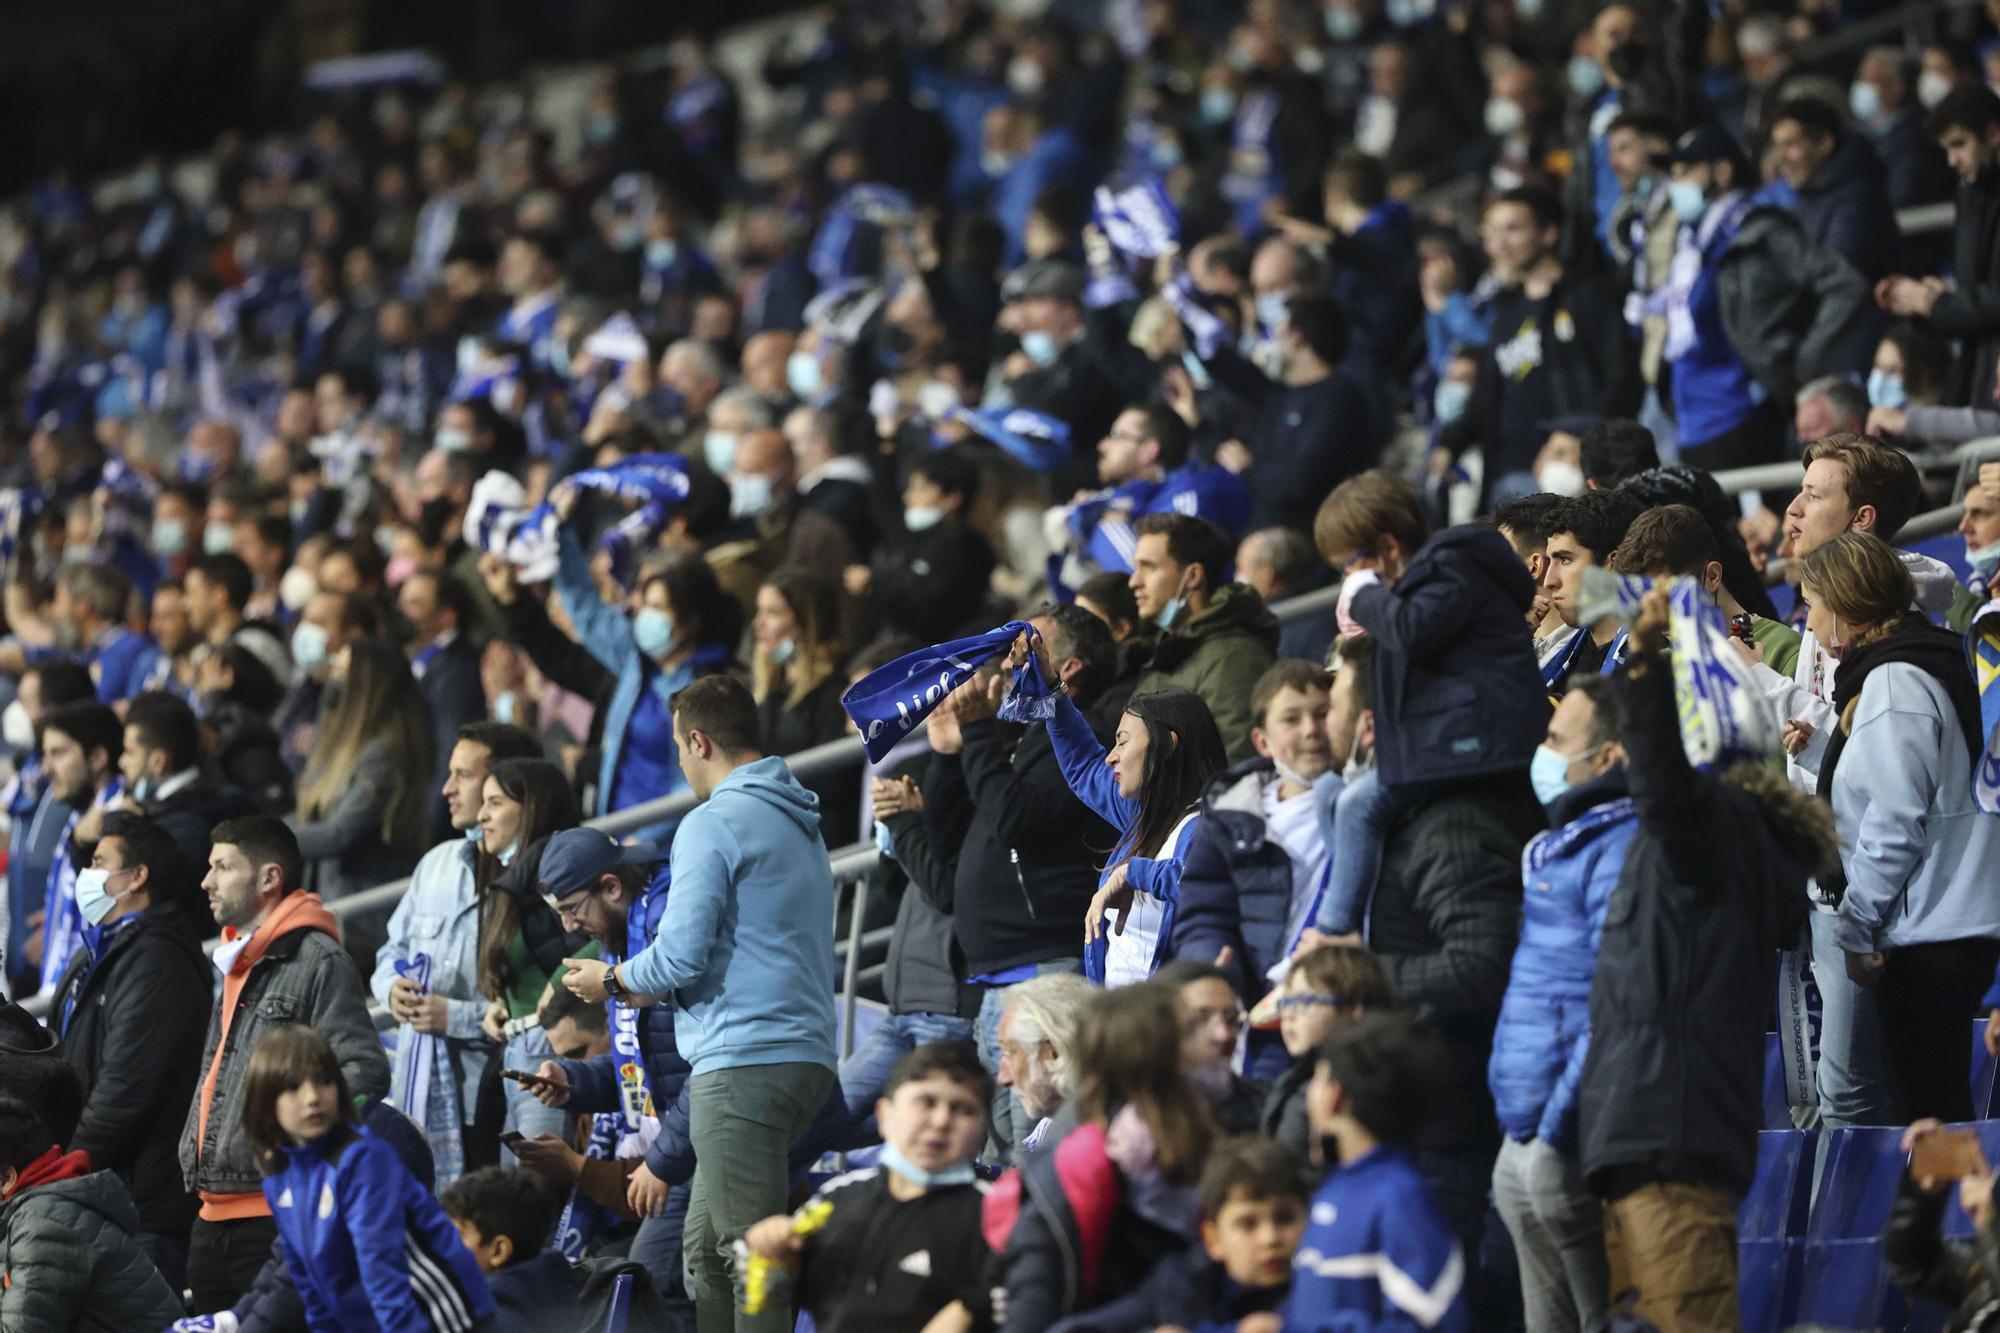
576, 857
1703, 143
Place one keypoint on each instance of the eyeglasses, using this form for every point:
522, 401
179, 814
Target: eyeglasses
569, 912
1292, 1004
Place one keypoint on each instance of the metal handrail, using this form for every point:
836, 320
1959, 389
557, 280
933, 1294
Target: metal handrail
1963, 460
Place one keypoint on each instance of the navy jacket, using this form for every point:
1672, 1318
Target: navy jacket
1457, 691
367, 1244
1543, 1035
1846, 208
1236, 884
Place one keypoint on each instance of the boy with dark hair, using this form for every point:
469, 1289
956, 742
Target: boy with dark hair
1588, 530
66, 1243
1611, 451
505, 1218
889, 1247
1378, 1251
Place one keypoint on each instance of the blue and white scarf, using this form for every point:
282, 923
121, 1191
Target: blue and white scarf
1036, 439
1139, 220
430, 1087
62, 923
1982, 649
891, 701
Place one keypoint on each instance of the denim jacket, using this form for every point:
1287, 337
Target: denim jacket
439, 916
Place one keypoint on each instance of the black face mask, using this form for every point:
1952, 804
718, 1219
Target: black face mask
434, 521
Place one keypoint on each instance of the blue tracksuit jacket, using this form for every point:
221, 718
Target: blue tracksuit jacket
1377, 1254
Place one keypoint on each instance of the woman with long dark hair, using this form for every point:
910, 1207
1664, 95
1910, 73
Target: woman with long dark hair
1148, 786
524, 800
363, 815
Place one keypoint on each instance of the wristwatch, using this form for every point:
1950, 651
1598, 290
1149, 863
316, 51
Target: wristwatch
612, 986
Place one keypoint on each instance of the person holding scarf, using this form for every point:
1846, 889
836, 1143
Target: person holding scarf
427, 972
1917, 918
1148, 786
616, 893
682, 627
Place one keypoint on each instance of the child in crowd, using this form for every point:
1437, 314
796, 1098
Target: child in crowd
1327, 986
1253, 1210
892, 1246
68, 1258
1378, 1252
367, 1245
505, 1219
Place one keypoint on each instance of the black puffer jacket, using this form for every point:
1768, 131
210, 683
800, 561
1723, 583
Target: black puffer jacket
134, 1036
1713, 886
1443, 921
71, 1262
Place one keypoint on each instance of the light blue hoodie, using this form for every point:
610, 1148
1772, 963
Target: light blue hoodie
1919, 854
746, 942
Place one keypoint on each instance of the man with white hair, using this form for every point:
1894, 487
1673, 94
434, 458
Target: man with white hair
732, 414
691, 369
1038, 1036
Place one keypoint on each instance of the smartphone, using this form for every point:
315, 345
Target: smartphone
523, 1077
1947, 1154
510, 1137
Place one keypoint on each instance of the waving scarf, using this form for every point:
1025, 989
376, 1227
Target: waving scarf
1982, 648
1138, 220
1038, 440
891, 701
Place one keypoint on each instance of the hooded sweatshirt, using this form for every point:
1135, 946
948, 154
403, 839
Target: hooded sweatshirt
295, 911
745, 946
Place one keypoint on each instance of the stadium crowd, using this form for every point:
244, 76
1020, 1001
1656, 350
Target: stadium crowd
389, 493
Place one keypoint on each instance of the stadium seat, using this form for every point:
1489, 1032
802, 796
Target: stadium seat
1777, 1109
1776, 1206
1982, 1074
1845, 1284
1857, 1184
621, 1304
1768, 1273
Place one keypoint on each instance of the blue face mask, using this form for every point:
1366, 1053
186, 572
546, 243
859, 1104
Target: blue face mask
308, 645
1864, 100
1548, 773
1688, 201
653, 631
1449, 402
660, 254
1218, 106
802, 374
1984, 561
474, 834
718, 450
1040, 347
94, 901
1886, 390
1342, 25
786, 650
1176, 604
170, 537
960, 1174
1642, 189
217, 538
1271, 308
1586, 76
883, 842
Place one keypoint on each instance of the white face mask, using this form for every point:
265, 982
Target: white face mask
1560, 478
297, 588
16, 727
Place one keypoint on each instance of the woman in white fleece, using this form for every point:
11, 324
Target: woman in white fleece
1919, 916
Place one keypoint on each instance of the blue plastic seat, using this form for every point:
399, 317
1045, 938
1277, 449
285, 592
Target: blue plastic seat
1857, 1184
1983, 1067
1768, 1275
1777, 1107
1845, 1284
621, 1304
1776, 1206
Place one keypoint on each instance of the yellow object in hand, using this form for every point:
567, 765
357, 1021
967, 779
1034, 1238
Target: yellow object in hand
757, 1272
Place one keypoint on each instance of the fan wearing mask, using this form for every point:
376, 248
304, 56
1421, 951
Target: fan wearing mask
681, 626
932, 579
792, 675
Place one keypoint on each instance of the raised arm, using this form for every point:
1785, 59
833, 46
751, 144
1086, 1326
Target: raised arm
1081, 758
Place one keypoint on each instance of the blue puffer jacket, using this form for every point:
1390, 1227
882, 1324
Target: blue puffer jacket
1457, 691
1236, 887
1539, 1045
